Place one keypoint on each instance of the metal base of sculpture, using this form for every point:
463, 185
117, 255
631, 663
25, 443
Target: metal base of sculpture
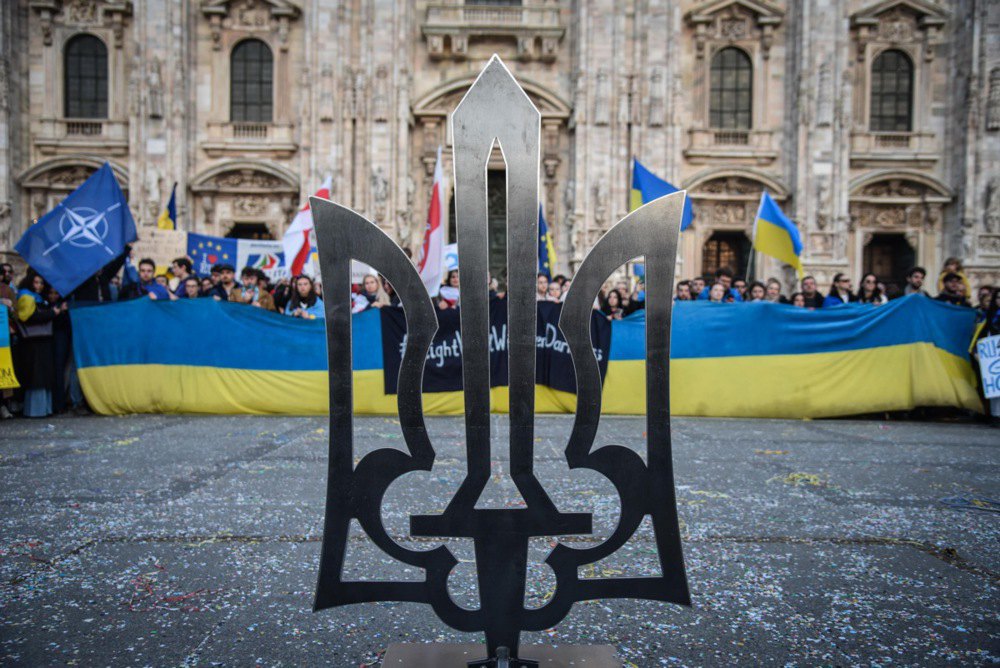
459, 655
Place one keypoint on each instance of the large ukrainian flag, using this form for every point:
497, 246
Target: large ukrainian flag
647, 186
776, 235
785, 362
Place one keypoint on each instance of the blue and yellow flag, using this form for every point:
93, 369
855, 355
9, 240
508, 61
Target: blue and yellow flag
776, 235
7, 379
168, 219
546, 249
647, 186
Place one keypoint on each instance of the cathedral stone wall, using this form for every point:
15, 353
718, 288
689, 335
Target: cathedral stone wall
362, 90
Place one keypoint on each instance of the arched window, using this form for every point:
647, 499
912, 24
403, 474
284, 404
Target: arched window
731, 90
85, 87
251, 82
892, 92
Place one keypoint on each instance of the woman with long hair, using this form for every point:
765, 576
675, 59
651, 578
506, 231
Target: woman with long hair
448, 294
35, 368
840, 292
611, 306
869, 292
304, 302
372, 295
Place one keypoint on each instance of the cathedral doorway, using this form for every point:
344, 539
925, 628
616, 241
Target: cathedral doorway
729, 249
249, 231
889, 257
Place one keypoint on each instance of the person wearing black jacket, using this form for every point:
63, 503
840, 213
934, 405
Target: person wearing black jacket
97, 288
33, 362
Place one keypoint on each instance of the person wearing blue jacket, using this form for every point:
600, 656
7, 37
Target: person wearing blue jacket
840, 292
305, 303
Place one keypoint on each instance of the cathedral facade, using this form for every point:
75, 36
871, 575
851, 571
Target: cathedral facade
874, 123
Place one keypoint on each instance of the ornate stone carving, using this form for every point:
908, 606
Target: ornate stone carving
70, 176
993, 101
246, 179
897, 26
893, 188
249, 14
81, 12
989, 244
734, 22
250, 205
731, 185
380, 96
729, 214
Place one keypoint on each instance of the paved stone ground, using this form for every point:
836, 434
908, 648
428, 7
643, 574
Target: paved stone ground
165, 540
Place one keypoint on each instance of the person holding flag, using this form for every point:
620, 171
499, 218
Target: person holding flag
546, 249
296, 241
168, 218
775, 235
83, 233
430, 262
647, 186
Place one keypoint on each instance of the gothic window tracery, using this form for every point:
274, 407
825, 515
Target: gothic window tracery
891, 92
251, 82
731, 94
86, 78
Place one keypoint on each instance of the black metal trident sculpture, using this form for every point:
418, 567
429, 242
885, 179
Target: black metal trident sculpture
496, 108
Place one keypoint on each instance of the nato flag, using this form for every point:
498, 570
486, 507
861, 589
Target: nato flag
85, 231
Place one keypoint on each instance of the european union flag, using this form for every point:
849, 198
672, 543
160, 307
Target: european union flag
205, 251
546, 249
85, 231
647, 186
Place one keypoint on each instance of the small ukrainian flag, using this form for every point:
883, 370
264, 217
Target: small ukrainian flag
168, 219
546, 249
776, 235
647, 186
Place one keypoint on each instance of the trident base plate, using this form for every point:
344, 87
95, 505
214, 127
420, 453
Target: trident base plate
460, 655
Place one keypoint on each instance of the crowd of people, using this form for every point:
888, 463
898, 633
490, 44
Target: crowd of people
41, 336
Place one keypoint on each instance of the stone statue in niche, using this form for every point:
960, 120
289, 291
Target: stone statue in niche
380, 96
992, 217
602, 99
155, 88
579, 97
656, 98
380, 192
822, 202
824, 96
993, 102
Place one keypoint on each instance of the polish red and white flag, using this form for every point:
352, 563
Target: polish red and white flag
430, 260
296, 240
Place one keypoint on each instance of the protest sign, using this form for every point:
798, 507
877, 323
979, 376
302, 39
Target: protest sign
162, 246
443, 370
7, 379
989, 365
